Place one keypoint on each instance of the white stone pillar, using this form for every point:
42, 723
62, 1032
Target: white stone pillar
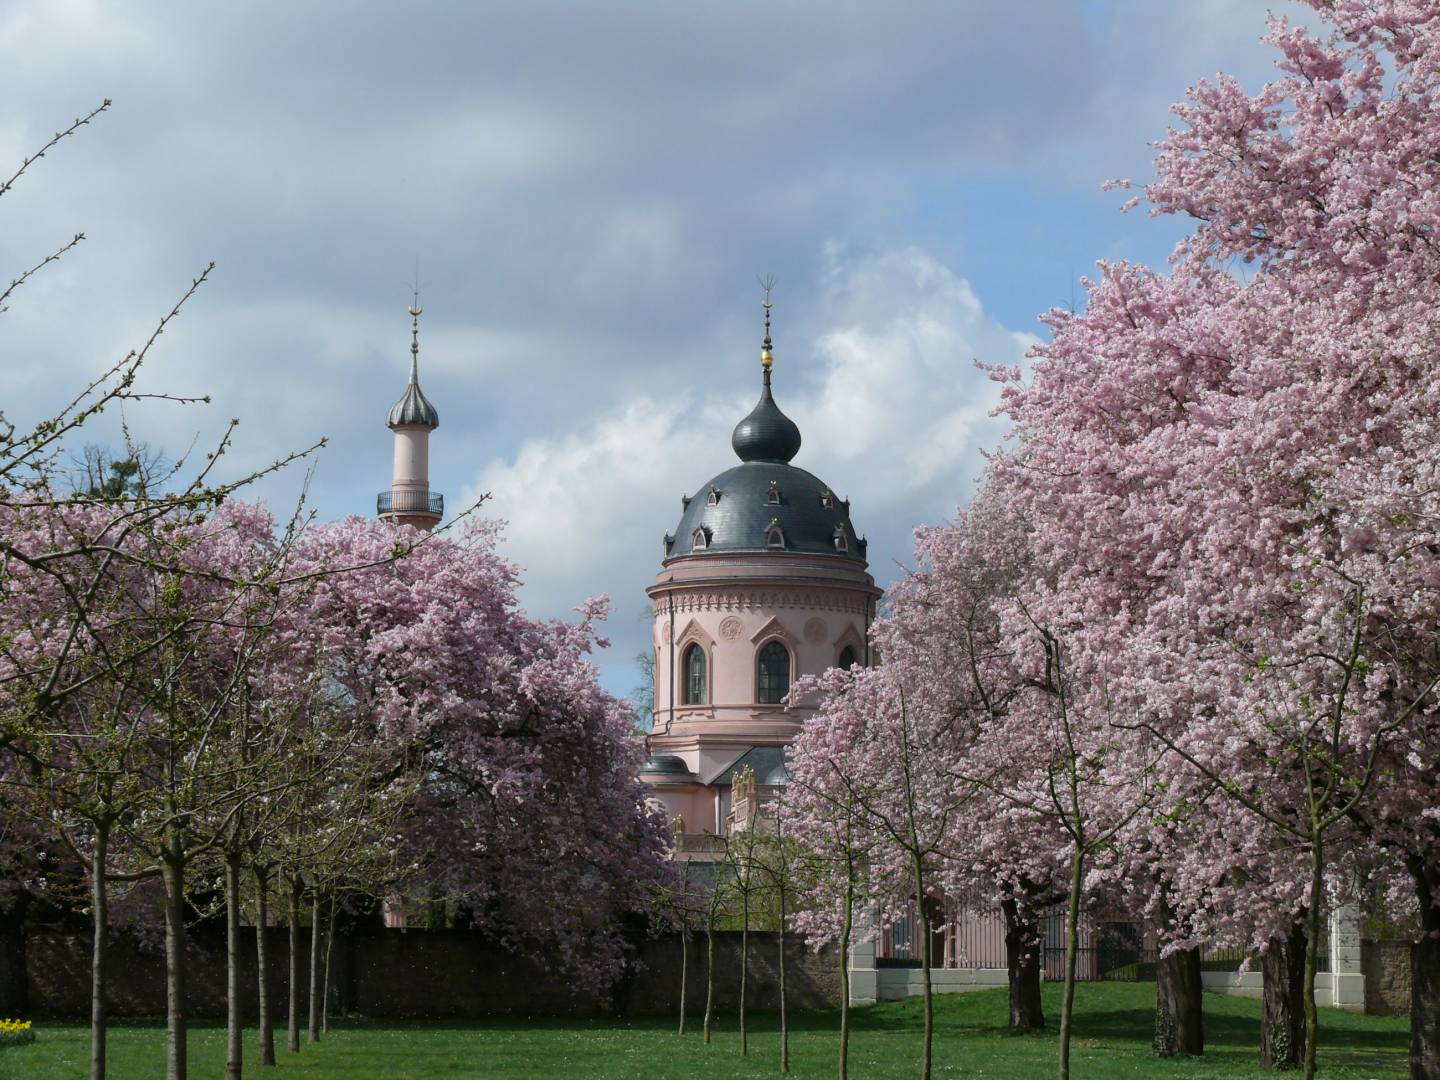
864, 979
1347, 975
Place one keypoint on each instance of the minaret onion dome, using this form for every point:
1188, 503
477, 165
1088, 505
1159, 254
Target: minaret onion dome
767, 434
414, 408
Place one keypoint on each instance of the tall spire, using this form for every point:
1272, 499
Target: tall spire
767, 358
415, 312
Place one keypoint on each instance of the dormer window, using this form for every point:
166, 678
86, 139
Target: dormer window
827, 499
700, 541
712, 499
773, 499
841, 543
774, 537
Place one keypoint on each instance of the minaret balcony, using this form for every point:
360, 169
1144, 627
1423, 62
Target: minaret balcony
410, 501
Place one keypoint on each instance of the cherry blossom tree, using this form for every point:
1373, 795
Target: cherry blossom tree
1235, 472
532, 786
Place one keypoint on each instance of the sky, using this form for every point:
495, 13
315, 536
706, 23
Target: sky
590, 192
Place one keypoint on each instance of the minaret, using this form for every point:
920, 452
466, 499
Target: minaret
410, 500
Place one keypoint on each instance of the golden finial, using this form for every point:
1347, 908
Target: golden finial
767, 358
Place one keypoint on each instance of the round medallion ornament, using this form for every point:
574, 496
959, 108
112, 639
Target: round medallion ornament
815, 631
730, 628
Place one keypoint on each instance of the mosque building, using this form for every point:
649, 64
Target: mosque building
763, 580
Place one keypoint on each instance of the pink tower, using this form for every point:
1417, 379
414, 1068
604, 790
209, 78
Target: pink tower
763, 580
410, 500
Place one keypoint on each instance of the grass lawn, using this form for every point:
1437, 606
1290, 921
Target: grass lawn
1113, 1028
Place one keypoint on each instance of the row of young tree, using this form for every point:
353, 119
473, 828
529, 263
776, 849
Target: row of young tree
204, 708
1180, 654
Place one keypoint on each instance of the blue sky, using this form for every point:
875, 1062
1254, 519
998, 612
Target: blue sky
591, 191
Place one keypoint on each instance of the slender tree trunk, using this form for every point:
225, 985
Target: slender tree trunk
1179, 1017
744, 961
315, 966
1072, 947
1282, 1032
684, 974
1312, 948
262, 964
709, 974
100, 914
924, 920
293, 1019
784, 1022
172, 874
846, 929
234, 1048
1425, 976
1022, 963
329, 952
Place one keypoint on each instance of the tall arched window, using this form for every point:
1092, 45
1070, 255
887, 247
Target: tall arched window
694, 675
772, 680
847, 658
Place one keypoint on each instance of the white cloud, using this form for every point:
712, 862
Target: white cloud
891, 408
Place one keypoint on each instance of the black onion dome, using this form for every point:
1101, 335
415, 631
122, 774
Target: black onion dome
741, 509
767, 434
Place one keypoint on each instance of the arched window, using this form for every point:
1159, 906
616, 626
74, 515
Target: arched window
847, 658
699, 542
772, 680
694, 675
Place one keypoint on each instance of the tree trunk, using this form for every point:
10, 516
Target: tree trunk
784, 1024
1179, 1018
1425, 977
744, 961
329, 952
293, 1018
684, 964
262, 964
846, 929
172, 874
1282, 1031
1023, 959
100, 916
234, 1050
1312, 948
1072, 948
709, 975
927, 1053
315, 966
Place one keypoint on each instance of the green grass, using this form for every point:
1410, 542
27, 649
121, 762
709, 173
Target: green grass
1113, 1028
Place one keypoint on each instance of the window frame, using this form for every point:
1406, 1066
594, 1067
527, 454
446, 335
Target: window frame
789, 669
694, 648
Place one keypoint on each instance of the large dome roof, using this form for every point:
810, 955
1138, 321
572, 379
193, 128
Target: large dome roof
765, 503
741, 509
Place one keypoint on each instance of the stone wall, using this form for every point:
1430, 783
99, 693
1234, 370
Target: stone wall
1387, 977
425, 973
